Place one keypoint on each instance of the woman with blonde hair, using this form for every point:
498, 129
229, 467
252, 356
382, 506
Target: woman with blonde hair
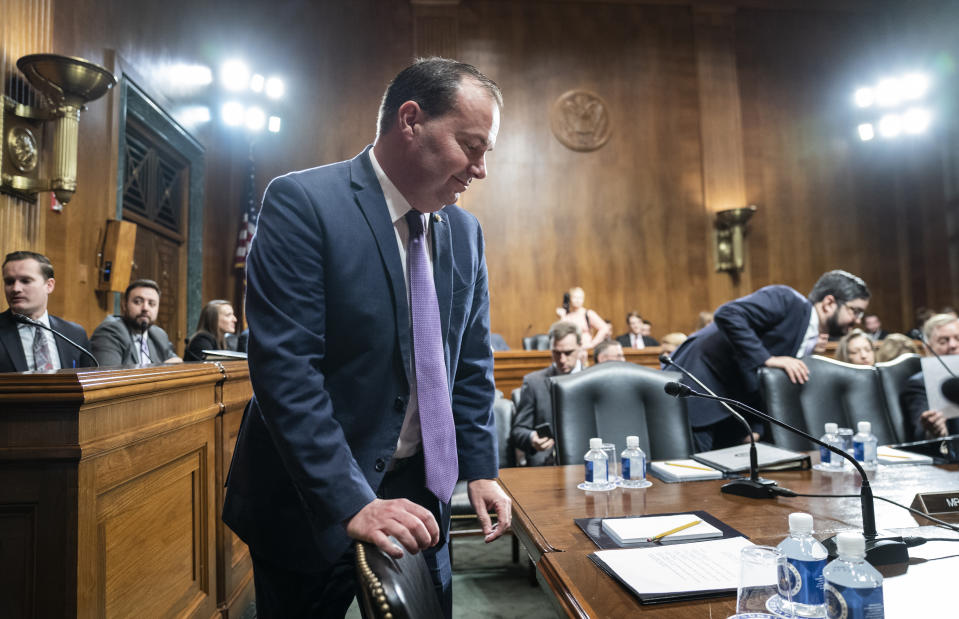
216, 320
894, 346
855, 347
594, 328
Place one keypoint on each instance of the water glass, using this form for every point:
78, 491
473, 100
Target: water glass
610, 450
759, 593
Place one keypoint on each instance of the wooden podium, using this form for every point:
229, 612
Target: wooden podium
111, 485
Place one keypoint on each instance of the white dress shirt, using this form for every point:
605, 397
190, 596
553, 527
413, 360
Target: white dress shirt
410, 437
808, 345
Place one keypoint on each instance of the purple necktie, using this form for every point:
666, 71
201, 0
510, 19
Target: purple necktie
432, 390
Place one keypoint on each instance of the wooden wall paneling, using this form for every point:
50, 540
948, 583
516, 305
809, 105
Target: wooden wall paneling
608, 220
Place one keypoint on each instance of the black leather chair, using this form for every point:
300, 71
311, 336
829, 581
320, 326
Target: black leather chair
540, 341
893, 375
613, 400
396, 588
836, 391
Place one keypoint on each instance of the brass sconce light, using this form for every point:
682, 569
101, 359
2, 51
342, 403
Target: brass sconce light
730, 229
68, 83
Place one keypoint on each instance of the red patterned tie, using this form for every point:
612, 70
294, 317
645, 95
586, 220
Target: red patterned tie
432, 388
41, 352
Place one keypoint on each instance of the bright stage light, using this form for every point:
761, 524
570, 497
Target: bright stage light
232, 113
888, 92
275, 88
274, 124
235, 75
255, 119
256, 82
914, 86
865, 97
890, 125
866, 132
916, 120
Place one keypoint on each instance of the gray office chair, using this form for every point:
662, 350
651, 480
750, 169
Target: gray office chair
540, 341
893, 376
836, 391
613, 400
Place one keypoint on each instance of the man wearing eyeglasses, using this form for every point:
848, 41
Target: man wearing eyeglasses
774, 327
535, 408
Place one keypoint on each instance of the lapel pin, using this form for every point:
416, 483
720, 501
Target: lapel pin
437, 218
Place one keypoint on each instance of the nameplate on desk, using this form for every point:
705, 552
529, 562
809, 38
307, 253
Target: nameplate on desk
943, 505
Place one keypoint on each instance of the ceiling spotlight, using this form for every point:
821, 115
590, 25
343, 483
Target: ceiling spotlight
865, 97
890, 125
274, 124
254, 119
256, 82
914, 86
232, 113
866, 132
194, 115
916, 120
274, 88
888, 92
235, 75
190, 74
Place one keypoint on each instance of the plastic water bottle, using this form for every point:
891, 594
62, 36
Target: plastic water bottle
805, 559
853, 588
828, 460
596, 466
845, 437
864, 446
634, 465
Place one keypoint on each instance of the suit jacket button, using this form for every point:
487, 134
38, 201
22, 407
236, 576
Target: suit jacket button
380, 465
399, 404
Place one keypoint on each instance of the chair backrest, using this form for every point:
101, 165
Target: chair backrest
514, 396
398, 588
503, 411
540, 341
893, 376
836, 391
613, 400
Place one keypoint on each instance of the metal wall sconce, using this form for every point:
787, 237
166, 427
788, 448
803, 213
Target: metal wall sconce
68, 83
730, 229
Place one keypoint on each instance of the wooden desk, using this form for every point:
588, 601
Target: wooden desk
111, 484
546, 500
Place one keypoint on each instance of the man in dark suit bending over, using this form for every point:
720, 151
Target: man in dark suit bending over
773, 327
359, 432
27, 284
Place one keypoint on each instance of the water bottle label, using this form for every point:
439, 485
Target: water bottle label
858, 451
596, 471
589, 471
634, 468
852, 603
825, 456
803, 580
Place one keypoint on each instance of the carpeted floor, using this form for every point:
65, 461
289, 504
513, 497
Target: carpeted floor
486, 584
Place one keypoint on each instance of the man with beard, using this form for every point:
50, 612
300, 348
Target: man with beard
132, 339
773, 327
27, 284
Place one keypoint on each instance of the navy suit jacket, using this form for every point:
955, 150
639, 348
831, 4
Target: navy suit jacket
727, 353
330, 352
12, 358
535, 407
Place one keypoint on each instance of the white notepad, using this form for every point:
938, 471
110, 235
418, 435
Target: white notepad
684, 470
644, 528
888, 455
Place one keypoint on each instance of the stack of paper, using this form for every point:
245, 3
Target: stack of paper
736, 459
672, 528
888, 455
683, 470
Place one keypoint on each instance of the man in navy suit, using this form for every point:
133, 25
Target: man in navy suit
773, 327
330, 449
27, 284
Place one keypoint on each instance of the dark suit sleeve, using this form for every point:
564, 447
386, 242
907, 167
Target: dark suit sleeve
108, 343
198, 343
287, 355
914, 403
69, 353
744, 320
524, 419
165, 346
473, 390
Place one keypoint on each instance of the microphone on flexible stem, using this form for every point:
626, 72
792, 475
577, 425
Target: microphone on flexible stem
878, 551
917, 334
36, 323
755, 487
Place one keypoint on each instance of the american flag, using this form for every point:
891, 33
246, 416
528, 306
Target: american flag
248, 224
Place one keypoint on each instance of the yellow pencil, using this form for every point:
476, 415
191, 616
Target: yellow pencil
888, 455
689, 466
676, 530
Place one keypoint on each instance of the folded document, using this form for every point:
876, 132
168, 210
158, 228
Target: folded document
672, 528
683, 470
